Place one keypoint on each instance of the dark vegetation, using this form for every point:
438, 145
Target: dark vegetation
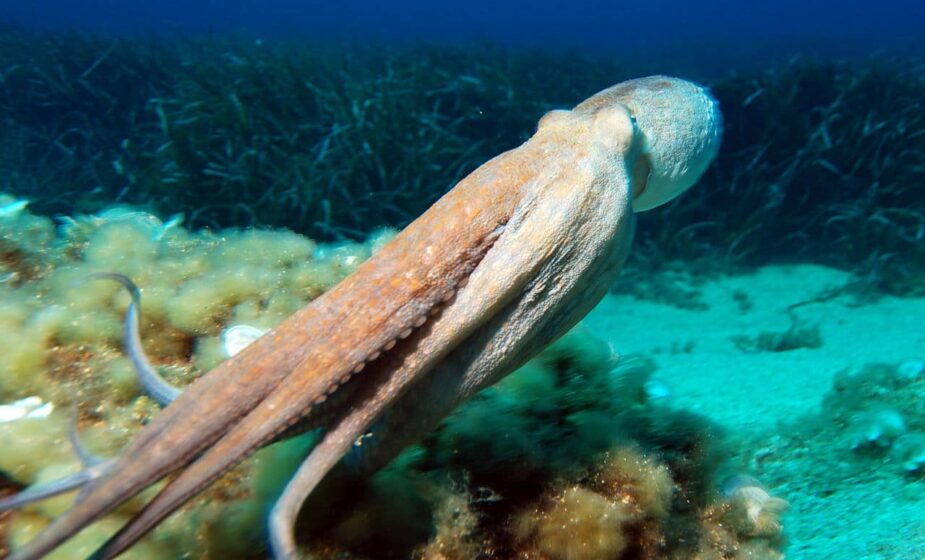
821, 161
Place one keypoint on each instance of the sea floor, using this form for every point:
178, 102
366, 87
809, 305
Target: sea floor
757, 354
844, 505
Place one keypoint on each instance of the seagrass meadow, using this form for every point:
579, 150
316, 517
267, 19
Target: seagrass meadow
820, 160
751, 387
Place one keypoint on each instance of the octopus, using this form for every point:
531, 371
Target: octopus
501, 266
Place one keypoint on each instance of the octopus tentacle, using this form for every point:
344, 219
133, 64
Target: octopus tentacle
156, 387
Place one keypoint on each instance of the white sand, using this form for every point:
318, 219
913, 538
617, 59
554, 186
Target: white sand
750, 392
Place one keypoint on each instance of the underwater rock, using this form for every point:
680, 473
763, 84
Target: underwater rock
63, 341
876, 428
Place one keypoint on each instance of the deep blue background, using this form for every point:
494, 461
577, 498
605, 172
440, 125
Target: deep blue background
724, 30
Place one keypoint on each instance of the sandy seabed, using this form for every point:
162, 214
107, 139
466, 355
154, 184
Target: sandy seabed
760, 396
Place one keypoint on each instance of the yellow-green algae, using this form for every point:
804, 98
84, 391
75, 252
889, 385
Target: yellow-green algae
62, 342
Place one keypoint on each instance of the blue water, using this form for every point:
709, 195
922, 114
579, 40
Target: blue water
715, 32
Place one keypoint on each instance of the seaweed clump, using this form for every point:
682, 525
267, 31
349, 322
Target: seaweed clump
566, 459
62, 345
800, 334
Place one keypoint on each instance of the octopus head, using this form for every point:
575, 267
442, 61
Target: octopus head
680, 125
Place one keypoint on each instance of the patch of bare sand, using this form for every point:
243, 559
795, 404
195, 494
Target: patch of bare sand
707, 359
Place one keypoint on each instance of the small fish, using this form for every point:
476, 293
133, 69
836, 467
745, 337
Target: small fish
150, 223
12, 209
173, 221
656, 389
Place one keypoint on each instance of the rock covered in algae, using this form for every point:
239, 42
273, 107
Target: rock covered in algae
567, 458
62, 344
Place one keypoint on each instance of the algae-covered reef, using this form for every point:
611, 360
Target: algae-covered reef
574, 456
820, 161
62, 352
